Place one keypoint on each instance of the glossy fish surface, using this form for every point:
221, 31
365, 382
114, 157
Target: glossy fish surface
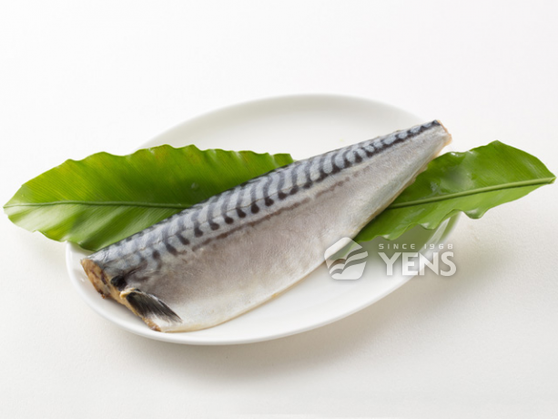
233, 252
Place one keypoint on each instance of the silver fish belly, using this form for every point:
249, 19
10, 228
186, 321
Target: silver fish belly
229, 254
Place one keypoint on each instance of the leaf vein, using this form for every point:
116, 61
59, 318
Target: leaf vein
531, 182
101, 203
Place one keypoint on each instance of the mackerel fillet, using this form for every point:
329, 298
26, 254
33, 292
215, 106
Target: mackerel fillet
231, 253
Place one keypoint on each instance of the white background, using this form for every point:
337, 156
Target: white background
81, 77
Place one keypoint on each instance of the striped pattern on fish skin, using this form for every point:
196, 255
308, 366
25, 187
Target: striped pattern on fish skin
236, 250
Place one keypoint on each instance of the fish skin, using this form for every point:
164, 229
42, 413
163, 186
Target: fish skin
238, 249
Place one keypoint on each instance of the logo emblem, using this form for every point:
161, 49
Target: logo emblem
346, 260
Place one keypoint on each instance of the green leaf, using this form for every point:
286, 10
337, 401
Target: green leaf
471, 182
104, 198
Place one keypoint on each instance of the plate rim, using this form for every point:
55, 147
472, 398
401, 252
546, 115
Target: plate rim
287, 96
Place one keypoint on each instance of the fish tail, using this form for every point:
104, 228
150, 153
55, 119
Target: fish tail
147, 306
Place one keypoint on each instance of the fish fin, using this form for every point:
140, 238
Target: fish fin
148, 305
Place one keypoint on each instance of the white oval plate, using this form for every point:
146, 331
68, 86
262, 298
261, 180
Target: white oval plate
303, 125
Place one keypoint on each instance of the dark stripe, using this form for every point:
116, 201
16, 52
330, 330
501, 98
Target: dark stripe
157, 257
197, 230
239, 211
334, 168
366, 148
170, 248
253, 198
321, 164
182, 239
190, 214
294, 178
165, 235
309, 182
358, 157
346, 162
280, 194
225, 206
212, 224
265, 191
186, 219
